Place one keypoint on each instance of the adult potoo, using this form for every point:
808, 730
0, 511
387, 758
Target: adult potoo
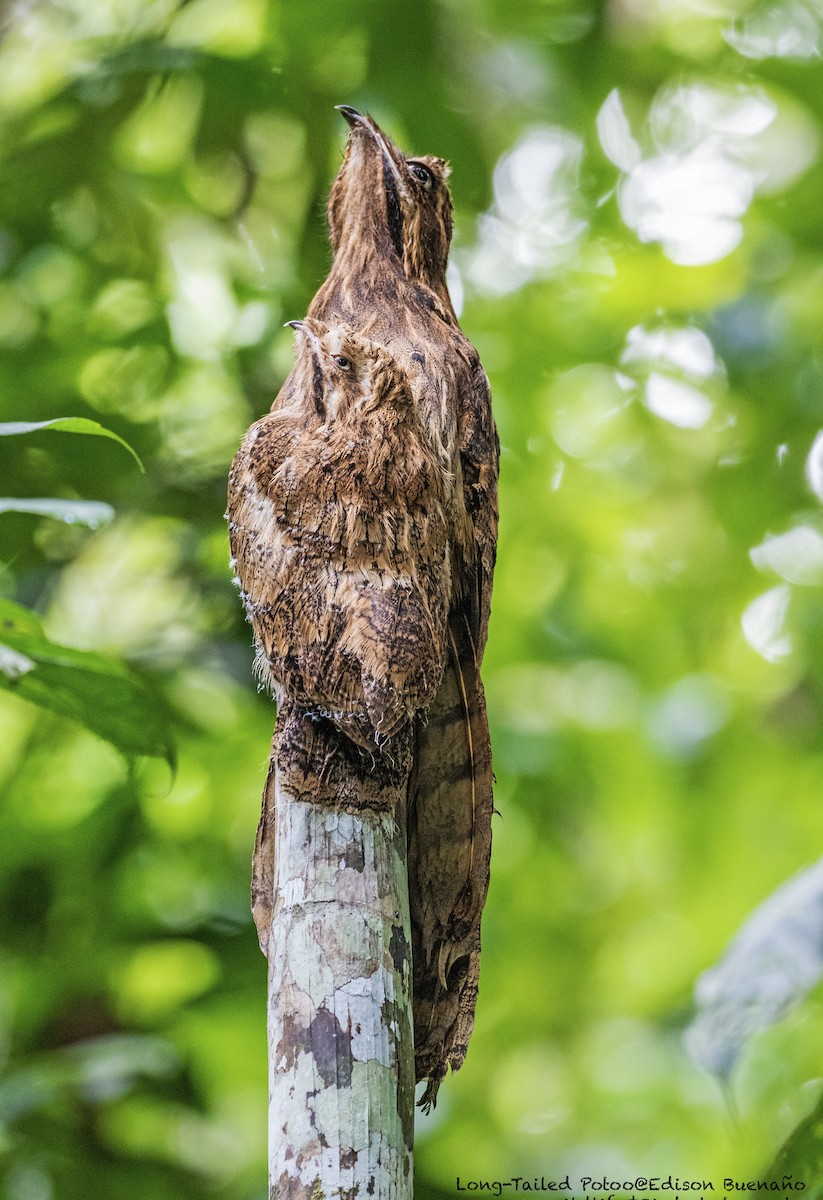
390, 226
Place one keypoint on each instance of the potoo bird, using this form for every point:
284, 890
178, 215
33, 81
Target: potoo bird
363, 519
338, 534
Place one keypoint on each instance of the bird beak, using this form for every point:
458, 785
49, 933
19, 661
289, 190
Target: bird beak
351, 116
302, 327
356, 120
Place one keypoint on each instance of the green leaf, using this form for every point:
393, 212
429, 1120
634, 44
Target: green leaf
68, 425
801, 1156
773, 961
99, 692
16, 619
92, 513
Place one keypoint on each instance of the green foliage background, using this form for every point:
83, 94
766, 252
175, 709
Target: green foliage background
642, 272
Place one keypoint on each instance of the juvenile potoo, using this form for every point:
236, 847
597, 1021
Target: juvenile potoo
339, 541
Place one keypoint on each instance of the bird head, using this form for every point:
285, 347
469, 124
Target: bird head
401, 204
355, 375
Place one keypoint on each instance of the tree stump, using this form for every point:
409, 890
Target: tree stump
341, 1056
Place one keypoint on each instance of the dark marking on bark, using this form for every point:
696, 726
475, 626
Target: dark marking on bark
321, 1137
293, 1042
398, 948
348, 1158
370, 1186
355, 857
395, 1020
331, 1046
288, 1187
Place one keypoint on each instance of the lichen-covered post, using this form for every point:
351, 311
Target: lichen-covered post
341, 1058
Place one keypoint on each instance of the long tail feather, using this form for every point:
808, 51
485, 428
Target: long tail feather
450, 814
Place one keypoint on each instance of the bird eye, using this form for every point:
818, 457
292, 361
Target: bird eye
422, 175
341, 361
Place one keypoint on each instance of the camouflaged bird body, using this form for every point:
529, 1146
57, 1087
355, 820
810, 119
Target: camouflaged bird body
339, 540
365, 548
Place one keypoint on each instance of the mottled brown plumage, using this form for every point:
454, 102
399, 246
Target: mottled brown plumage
339, 541
335, 460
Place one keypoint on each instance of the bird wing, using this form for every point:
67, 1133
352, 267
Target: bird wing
287, 531
479, 459
340, 543
450, 794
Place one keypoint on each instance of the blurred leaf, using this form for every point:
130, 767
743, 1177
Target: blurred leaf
100, 693
16, 619
775, 960
98, 1067
801, 1156
68, 425
92, 513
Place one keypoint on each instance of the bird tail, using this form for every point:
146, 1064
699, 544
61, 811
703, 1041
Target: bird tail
449, 825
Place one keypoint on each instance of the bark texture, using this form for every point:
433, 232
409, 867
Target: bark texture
341, 1057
